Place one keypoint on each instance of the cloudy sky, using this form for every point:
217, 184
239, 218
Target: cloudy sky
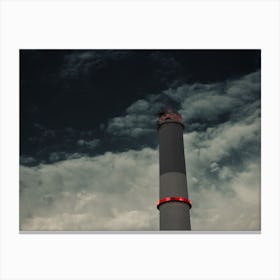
89, 145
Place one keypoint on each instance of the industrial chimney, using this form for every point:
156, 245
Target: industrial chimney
173, 204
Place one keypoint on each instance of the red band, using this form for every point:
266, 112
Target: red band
170, 199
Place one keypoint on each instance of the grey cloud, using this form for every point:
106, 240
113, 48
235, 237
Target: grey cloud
222, 102
141, 117
60, 144
90, 144
56, 156
27, 160
77, 64
80, 63
132, 125
140, 106
207, 108
201, 105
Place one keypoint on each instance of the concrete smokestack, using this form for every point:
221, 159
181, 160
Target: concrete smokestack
173, 204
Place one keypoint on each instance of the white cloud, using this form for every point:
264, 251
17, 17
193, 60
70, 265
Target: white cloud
218, 142
109, 192
224, 198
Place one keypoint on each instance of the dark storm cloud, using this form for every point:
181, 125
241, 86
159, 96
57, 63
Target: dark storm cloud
71, 98
83, 63
59, 144
68, 96
161, 66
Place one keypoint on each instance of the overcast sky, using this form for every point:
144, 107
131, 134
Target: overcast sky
89, 145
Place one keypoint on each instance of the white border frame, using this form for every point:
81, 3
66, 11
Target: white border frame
139, 24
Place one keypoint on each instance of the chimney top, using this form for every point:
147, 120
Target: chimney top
169, 114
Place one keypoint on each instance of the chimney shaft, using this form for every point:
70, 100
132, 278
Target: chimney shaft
174, 204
